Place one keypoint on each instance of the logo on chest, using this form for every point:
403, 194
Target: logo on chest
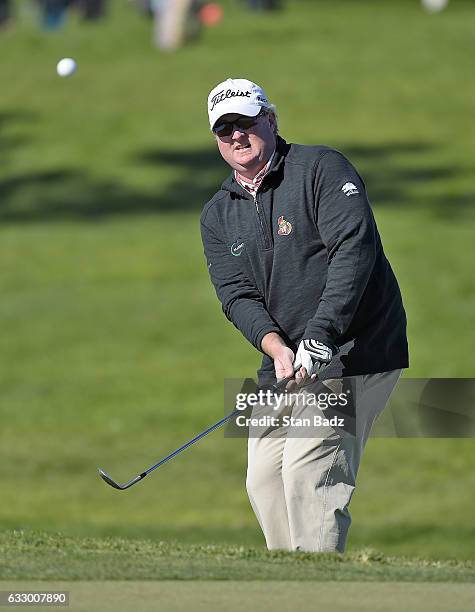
284, 226
237, 248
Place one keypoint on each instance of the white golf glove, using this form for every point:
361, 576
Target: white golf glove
312, 355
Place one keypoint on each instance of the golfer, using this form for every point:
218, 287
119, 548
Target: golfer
296, 260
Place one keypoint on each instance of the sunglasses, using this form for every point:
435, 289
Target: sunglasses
243, 124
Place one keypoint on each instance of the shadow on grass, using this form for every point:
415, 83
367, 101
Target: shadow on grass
9, 142
393, 173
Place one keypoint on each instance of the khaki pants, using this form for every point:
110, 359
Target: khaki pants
300, 487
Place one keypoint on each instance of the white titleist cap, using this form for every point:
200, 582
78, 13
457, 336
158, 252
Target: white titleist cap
236, 96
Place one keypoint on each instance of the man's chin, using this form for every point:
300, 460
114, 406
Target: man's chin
247, 164
245, 156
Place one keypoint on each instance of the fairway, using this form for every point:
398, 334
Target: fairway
114, 350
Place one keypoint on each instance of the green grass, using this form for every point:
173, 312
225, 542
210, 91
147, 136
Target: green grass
52, 557
113, 346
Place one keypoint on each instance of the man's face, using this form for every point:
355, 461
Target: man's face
248, 150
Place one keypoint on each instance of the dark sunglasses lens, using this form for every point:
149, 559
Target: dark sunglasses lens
243, 123
223, 129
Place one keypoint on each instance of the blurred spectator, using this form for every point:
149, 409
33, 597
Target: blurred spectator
145, 6
175, 22
91, 9
5, 12
264, 5
53, 13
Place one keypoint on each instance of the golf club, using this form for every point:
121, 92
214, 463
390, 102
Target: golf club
126, 485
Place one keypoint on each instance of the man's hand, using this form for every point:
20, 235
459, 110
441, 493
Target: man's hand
312, 355
273, 345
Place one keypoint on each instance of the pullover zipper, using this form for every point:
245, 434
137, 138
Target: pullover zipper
264, 233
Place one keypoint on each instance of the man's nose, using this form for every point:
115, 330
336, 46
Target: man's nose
237, 133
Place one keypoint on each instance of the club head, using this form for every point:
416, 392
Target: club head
106, 478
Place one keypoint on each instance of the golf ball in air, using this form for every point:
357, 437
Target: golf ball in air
66, 67
434, 6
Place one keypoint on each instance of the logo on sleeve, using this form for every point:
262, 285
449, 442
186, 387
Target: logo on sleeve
284, 226
349, 189
237, 248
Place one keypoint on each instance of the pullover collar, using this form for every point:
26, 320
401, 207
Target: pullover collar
252, 185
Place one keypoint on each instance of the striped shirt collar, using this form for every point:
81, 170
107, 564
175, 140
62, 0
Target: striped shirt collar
252, 185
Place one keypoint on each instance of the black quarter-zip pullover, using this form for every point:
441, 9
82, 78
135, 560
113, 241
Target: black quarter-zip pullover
305, 260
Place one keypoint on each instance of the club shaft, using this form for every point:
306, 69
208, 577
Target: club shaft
193, 441
278, 387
